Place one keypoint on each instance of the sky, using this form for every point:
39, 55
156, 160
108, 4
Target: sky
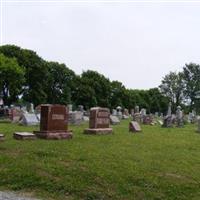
134, 43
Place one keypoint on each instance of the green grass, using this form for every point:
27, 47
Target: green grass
158, 163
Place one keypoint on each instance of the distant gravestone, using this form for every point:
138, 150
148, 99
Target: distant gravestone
81, 108
15, 114
147, 119
31, 109
29, 119
54, 122
134, 127
99, 121
119, 112
160, 122
137, 116
86, 119
70, 107
168, 119
179, 117
24, 136
114, 120
75, 117
2, 137
114, 112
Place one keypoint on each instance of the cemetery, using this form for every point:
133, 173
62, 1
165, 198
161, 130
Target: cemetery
154, 160
100, 100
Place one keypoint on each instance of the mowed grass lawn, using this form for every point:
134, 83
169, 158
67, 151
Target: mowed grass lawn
158, 163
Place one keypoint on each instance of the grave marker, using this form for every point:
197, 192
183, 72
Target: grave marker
54, 122
99, 121
134, 127
24, 136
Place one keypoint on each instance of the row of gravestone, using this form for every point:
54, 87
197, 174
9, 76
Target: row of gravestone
54, 118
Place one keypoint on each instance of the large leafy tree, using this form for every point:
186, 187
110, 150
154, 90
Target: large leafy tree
156, 101
60, 83
11, 79
192, 82
92, 89
173, 87
36, 72
118, 94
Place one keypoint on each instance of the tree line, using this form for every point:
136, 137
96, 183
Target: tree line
26, 77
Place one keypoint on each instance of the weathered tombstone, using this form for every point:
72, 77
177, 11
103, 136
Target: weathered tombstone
114, 112
2, 137
160, 122
134, 127
86, 119
143, 116
179, 117
114, 120
192, 117
126, 112
29, 119
24, 136
169, 111
119, 112
132, 112
24, 109
15, 114
148, 120
31, 109
99, 121
75, 117
70, 107
137, 116
168, 119
54, 122
81, 108
143, 112
1, 100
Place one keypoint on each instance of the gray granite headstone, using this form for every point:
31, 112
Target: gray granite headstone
114, 120
86, 119
75, 117
134, 127
179, 117
29, 119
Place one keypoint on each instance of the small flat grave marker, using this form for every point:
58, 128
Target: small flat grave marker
2, 137
24, 136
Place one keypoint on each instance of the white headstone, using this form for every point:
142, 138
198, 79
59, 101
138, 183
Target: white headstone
114, 120
29, 119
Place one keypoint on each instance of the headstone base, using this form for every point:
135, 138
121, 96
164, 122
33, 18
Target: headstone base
98, 131
24, 136
2, 137
55, 135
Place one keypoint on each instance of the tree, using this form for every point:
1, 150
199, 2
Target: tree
173, 87
157, 102
60, 83
117, 94
11, 79
93, 89
191, 75
36, 72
